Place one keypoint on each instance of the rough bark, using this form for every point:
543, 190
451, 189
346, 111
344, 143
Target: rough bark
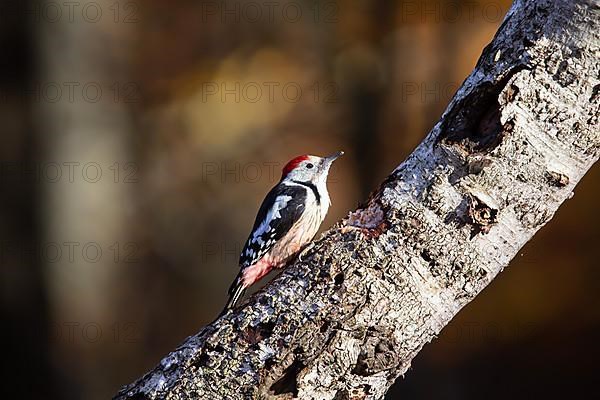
347, 319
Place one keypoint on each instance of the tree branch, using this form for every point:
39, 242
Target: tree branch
346, 320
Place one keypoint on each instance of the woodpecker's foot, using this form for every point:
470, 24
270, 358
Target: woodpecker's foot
306, 250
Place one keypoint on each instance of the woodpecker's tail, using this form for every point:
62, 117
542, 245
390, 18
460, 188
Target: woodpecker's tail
236, 291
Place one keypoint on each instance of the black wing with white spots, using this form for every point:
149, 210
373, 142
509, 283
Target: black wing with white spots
282, 207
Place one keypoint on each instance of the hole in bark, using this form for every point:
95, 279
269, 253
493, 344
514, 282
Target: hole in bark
481, 216
484, 132
253, 335
339, 278
474, 122
202, 361
426, 256
269, 363
557, 179
288, 383
266, 327
324, 327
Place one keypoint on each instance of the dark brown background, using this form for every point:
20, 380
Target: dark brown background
193, 168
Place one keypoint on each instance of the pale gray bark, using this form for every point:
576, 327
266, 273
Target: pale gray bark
346, 320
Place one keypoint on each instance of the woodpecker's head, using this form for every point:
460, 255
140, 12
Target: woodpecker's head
309, 169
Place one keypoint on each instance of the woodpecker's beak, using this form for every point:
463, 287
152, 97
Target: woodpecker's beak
334, 157
327, 161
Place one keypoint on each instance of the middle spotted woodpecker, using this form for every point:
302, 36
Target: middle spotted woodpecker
287, 220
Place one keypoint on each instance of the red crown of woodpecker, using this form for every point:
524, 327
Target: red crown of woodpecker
293, 163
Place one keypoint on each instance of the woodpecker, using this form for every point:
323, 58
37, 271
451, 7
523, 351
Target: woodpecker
288, 219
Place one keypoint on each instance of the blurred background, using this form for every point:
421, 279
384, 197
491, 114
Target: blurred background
139, 138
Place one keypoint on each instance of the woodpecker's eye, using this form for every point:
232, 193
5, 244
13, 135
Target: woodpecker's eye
309, 165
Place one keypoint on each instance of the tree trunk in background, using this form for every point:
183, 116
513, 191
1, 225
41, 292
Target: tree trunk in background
23, 298
83, 114
347, 320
